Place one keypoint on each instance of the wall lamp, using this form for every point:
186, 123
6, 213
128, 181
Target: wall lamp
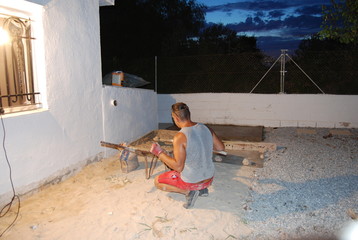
4, 36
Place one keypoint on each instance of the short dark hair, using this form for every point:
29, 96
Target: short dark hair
181, 110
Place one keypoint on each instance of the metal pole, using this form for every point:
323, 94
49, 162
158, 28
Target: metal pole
156, 74
283, 71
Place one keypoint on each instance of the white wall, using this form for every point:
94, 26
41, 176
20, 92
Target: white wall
269, 110
48, 144
134, 115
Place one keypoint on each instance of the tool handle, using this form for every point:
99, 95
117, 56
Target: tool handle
112, 145
220, 153
118, 147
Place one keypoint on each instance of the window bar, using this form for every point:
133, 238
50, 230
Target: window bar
18, 70
20, 95
14, 73
30, 81
7, 75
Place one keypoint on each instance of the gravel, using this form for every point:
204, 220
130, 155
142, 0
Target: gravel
306, 186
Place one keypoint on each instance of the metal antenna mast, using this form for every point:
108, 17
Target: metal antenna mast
283, 71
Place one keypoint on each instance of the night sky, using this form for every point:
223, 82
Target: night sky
279, 24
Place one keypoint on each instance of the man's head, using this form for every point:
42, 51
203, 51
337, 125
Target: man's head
181, 110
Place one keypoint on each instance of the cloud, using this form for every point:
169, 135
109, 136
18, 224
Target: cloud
277, 24
309, 10
299, 26
247, 5
260, 14
273, 45
303, 21
264, 5
280, 14
276, 14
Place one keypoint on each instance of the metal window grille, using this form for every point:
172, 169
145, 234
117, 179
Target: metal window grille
17, 89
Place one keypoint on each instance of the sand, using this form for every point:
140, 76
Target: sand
307, 189
101, 202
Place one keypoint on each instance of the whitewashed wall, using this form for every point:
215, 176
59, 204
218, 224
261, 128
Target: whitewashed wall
269, 110
134, 115
46, 145
53, 142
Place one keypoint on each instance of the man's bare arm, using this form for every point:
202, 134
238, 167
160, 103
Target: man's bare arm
177, 162
218, 145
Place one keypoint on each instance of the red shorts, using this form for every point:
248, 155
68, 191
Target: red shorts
173, 178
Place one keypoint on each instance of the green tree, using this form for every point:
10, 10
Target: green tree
219, 39
330, 63
340, 21
217, 60
143, 28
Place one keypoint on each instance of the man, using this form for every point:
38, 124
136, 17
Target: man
192, 165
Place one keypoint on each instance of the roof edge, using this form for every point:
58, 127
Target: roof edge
106, 3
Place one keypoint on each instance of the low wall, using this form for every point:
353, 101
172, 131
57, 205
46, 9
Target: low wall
50, 144
46, 145
128, 113
269, 110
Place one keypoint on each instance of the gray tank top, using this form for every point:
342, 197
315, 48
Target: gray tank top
199, 152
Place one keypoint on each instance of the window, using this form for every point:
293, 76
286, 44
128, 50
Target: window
17, 89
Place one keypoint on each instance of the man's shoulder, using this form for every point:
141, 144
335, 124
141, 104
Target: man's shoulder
179, 138
179, 135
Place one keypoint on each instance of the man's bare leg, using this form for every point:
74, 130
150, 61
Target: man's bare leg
169, 188
190, 196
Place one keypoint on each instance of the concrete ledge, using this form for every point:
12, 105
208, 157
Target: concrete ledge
250, 146
288, 123
307, 124
325, 125
268, 110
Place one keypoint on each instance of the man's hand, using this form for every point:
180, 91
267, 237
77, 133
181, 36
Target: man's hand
156, 149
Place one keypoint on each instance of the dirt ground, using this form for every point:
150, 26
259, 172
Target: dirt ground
101, 202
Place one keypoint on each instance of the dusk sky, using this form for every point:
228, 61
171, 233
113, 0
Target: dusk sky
277, 24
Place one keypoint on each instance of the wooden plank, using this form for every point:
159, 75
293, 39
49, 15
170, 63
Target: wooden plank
239, 152
240, 157
232, 132
253, 146
238, 133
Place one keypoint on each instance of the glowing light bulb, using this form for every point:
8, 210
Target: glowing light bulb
4, 36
